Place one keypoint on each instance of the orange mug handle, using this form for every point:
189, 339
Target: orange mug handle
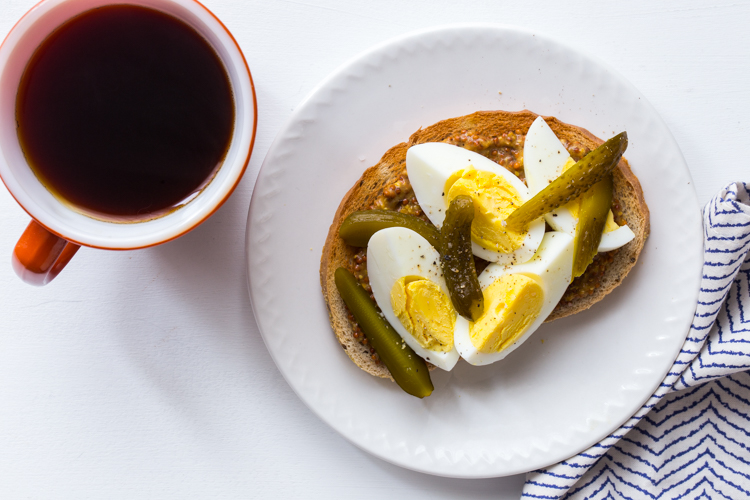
39, 255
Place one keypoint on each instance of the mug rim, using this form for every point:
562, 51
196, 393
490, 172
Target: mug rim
236, 177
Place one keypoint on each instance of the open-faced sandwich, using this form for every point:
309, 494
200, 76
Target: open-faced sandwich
461, 242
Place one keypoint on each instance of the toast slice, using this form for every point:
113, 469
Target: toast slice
498, 135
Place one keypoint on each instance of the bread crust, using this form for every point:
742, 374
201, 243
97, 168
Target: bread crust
627, 190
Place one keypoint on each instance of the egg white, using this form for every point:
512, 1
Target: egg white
544, 157
392, 254
615, 239
430, 165
551, 267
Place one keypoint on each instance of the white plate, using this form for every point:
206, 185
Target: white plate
575, 380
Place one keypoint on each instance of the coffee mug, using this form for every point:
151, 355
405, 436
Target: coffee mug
58, 228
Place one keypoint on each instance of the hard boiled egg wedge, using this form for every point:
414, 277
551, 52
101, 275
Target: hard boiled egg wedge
439, 172
517, 299
409, 287
544, 159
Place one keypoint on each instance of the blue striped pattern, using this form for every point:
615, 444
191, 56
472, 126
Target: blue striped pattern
694, 443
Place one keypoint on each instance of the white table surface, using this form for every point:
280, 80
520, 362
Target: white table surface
143, 375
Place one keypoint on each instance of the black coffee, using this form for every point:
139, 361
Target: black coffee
125, 112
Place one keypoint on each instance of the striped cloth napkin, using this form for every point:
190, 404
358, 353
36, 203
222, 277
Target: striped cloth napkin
692, 438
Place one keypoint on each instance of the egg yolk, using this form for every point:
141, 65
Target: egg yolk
511, 304
575, 206
425, 311
494, 200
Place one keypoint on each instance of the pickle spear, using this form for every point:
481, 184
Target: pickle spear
571, 183
457, 259
409, 370
358, 227
595, 205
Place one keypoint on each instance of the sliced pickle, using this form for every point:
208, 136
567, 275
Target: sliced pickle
358, 227
408, 369
457, 259
571, 183
595, 205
